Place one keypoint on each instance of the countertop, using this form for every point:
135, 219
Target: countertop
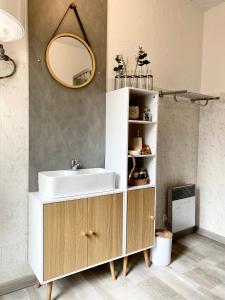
45, 200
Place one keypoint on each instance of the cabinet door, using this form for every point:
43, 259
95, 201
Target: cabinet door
140, 219
104, 228
65, 245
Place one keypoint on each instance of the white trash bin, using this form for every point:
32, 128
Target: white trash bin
161, 253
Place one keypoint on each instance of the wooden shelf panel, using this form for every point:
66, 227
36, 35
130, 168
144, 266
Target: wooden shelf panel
146, 155
137, 187
140, 92
142, 122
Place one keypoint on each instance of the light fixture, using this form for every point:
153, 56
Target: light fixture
12, 15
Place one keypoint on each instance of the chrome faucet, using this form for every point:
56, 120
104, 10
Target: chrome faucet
75, 164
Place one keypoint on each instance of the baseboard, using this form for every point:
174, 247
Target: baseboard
17, 284
184, 232
211, 235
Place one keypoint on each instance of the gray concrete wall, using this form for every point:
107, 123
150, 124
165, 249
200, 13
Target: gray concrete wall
65, 123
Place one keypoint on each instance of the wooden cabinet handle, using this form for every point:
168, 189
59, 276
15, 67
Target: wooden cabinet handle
152, 217
92, 232
84, 233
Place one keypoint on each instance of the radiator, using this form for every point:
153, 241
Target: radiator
181, 207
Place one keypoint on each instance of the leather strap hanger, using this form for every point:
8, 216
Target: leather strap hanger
73, 7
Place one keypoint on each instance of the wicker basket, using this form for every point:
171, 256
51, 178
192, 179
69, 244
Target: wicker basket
135, 182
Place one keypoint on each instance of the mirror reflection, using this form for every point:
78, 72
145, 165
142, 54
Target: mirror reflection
70, 61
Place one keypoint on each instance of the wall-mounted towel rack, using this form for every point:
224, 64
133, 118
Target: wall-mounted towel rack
195, 98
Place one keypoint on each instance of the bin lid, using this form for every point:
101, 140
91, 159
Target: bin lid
164, 233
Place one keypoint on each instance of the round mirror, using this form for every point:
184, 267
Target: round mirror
70, 60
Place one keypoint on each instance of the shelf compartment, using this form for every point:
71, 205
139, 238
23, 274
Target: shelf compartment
148, 134
147, 163
144, 99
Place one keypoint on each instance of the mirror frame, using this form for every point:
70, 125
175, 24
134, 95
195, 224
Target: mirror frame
86, 46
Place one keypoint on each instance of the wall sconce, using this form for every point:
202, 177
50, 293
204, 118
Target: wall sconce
12, 17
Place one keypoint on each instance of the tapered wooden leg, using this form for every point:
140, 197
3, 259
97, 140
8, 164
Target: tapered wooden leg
125, 262
112, 269
37, 285
146, 256
49, 291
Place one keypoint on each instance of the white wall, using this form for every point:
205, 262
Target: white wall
213, 58
171, 32
211, 164
14, 166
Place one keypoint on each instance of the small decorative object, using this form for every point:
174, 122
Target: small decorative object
137, 142
134, 152
140, 173
146, 114
134, 112
146, 150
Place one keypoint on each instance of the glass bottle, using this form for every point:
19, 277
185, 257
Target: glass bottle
117, 81
128, 79
141, 81
133, 79
125, 80
149, 80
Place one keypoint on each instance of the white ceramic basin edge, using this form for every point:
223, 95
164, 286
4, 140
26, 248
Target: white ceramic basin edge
68, 183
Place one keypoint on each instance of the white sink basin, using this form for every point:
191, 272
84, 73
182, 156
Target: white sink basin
66, 183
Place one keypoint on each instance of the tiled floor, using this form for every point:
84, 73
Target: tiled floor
197, 272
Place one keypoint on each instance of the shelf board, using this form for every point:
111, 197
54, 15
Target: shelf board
146, 155
137, 92
141, 122
138, 187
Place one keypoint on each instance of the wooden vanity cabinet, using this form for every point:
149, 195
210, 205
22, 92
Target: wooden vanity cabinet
81, 233
140, 219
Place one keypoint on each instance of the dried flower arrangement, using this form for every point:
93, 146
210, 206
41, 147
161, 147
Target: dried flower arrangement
136, 78
121, 64
141, 60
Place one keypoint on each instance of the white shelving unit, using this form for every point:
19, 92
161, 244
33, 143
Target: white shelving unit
120, 130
